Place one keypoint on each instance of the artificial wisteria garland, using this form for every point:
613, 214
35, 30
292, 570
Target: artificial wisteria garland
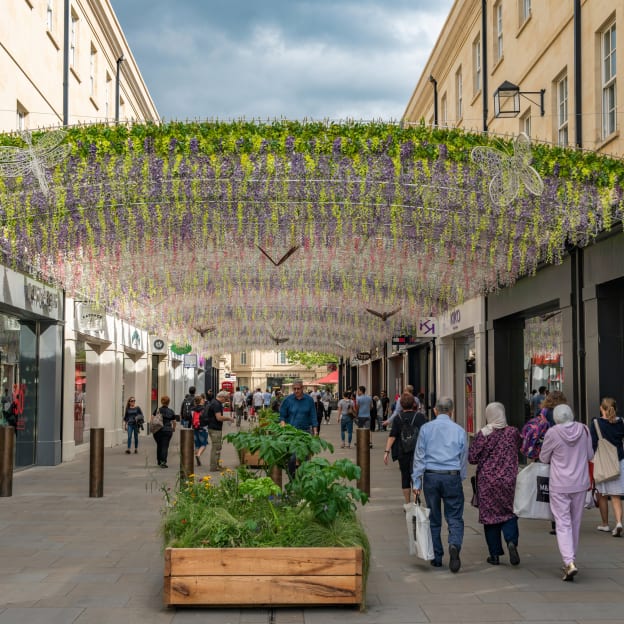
292, 229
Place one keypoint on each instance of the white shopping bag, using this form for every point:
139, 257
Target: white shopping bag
531, 499
418, 531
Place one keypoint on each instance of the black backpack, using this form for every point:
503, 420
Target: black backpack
409, 435
187, 407
204, 417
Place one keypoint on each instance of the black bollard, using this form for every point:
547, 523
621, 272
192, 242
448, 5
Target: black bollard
96, 464
363, 459
7, 448
187, 454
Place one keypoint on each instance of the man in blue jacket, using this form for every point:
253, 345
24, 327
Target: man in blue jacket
298, 409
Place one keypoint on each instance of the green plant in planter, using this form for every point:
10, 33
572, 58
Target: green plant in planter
275, 443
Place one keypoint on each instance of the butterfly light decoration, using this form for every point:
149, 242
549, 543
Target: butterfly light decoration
47, 152
508, 173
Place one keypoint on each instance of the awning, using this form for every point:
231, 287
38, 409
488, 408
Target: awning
332, 378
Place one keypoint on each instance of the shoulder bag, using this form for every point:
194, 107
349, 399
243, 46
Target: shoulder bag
606, 463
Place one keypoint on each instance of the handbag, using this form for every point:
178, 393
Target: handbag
531, 499
419, 530
474, 501
351, 412
606, 463
156, 422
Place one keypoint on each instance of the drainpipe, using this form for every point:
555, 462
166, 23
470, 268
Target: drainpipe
433, 81
66, 20
484, 64
578, 92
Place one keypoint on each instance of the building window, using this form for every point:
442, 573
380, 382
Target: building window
243, 358
73, 41
609, 97
50, 15
525, 10
525, 123
562, 111
459, 91
476, 65
498, 31
281, 357
444, 111
22, 117
92, 70
107, 96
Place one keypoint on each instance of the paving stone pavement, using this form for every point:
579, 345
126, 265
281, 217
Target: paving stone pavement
67, 558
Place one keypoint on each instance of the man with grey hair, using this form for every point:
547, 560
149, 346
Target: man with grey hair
441, 460
215, 419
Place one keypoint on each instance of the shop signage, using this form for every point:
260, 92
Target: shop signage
363, 356
89, 319
190, 360
427, 328
403, 340
159, 345
40, 296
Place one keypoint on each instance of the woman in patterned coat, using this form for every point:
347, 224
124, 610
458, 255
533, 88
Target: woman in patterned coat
495, 451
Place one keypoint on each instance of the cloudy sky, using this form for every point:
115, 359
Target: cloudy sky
333, 59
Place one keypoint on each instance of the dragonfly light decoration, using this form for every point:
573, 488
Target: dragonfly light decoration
45, 153
508, 173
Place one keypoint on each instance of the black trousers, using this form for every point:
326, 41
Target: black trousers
162, 445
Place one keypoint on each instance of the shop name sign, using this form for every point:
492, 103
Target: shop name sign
427, 328
89, 318
363, 356
402, 340
41, 296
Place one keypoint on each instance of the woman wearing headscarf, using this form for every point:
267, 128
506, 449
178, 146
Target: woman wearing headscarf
612, 430
567, 448
495, 452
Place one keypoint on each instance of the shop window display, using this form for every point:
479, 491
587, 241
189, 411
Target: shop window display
542, 353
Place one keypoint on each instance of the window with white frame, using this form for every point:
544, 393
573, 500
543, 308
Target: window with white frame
92, 70
525, 123
281, 357
243, 358
73, 41
459, 92
525, 10
21, 118
498, 32
107, 96
609, 95
50, 15
476, 65
562, 111
444, 111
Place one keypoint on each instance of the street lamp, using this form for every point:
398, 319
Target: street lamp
507, 99
120, 60
435, 100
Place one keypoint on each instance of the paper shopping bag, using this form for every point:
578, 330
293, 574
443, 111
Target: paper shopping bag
531, 499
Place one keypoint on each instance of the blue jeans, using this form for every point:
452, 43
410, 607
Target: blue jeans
133, 430
492, 532
200, 437
447, 488
346, 425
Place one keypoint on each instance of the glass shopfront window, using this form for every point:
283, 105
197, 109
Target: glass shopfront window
543, 363
80, 390
25, 394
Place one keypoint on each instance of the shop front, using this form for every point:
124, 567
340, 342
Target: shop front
461, 358
31, 356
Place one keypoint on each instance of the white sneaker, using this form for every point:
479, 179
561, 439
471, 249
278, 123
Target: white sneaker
603, 527
617, 532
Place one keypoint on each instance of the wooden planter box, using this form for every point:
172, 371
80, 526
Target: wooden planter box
263, 577
250, 459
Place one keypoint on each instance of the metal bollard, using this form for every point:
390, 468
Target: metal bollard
187, 454
7, 448
96, 464
363, 459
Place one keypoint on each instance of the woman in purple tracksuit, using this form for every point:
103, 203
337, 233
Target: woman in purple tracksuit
567, 448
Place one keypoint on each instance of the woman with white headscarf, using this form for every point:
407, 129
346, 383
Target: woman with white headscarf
567, 448
495, 451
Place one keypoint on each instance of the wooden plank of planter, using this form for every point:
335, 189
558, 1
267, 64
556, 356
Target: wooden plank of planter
271, 576
262, 590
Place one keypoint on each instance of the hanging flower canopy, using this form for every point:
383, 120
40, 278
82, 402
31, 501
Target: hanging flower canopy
316, 236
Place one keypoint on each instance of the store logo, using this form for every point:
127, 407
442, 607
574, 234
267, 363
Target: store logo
159, 344
37, 295
455, 317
